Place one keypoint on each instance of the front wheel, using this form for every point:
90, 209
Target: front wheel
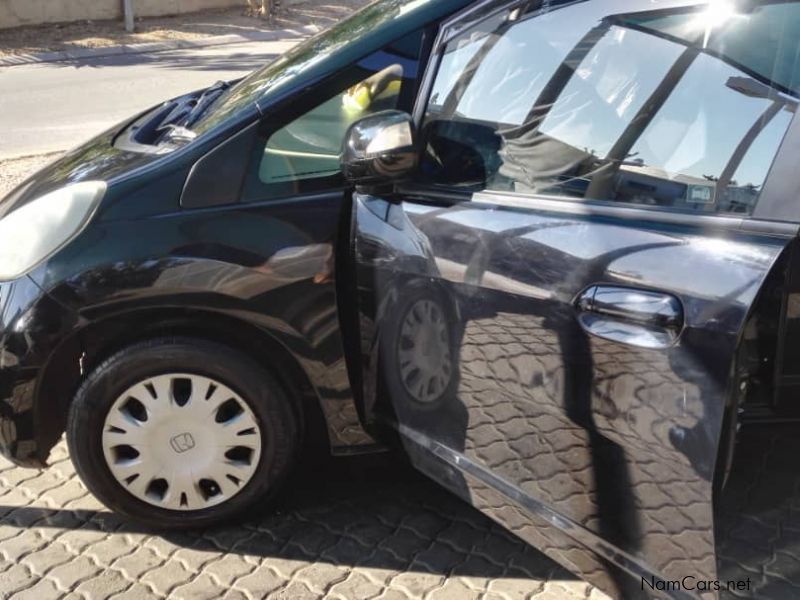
180, 433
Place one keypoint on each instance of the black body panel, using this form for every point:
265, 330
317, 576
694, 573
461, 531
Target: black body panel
32, 326
613, 443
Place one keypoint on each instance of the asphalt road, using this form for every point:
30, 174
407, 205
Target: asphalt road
50, 107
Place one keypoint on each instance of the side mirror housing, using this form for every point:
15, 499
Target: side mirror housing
379, 149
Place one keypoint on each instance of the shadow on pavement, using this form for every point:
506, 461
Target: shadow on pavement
376, 514
368, 512
179, 59
758, 521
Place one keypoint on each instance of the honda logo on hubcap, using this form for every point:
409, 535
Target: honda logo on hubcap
182, 442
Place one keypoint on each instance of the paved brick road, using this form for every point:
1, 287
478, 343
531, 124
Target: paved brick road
364, 528
758, 524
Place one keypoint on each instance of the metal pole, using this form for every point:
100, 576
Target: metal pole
127, 8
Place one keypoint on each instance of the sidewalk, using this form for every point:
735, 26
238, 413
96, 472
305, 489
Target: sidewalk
80, 53
87, 39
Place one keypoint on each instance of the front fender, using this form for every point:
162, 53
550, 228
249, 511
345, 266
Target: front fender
284, 298
32, 327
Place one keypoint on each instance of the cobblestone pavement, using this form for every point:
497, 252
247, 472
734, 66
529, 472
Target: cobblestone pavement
367, 527
758, 521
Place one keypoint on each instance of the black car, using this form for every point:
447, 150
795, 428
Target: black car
556, 267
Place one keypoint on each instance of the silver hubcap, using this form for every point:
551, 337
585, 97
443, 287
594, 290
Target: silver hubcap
424, 352
181, 442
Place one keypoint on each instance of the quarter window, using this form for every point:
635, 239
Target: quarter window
678, 107
302, 155
309, 146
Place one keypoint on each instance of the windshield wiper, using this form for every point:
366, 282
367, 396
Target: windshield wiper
174, 128
178, 133
204, 102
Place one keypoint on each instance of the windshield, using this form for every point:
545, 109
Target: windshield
303, 57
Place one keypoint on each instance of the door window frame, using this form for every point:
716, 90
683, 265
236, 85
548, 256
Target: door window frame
777, 211
295, 106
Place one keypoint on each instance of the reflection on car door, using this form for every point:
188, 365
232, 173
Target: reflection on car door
550, 314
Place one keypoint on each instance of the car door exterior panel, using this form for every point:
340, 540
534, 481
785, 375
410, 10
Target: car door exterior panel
550, 314
608, 437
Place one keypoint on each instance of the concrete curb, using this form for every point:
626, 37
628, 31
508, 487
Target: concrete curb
148, 47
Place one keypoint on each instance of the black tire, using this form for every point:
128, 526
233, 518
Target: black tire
278, 423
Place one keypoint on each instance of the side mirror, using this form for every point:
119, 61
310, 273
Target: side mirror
379, 149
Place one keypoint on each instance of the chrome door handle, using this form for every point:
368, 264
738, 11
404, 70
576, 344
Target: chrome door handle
635, 317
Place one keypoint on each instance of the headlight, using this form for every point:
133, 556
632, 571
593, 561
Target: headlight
34, 231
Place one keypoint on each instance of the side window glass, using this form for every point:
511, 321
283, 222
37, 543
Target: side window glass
682, 108
303, 154
309, 146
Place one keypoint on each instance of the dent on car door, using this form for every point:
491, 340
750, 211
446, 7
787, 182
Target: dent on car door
550, 315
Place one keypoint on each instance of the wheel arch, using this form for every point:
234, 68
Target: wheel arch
85, 349
753, 372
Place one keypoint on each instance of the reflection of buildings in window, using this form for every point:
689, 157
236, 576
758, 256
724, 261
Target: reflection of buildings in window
641, 184
632, 112
613, 176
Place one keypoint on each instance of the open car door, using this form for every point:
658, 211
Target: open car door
551, 310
